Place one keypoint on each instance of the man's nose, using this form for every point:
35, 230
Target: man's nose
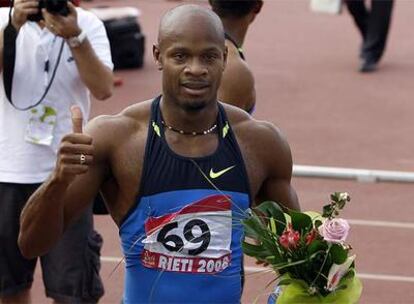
196, 67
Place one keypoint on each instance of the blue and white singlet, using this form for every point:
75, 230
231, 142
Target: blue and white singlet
182, 238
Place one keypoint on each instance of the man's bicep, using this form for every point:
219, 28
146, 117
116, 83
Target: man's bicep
277, 158
280, 191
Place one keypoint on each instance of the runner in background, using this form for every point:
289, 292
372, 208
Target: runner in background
237, 85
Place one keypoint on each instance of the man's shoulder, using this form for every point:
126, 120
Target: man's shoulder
236, 64
258, 132
240, 119
237, 84
119, 126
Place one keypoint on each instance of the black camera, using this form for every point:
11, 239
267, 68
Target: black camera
56, 7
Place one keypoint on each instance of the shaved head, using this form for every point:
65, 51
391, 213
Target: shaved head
190, 16
191, 53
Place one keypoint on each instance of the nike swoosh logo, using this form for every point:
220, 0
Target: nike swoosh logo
214, 175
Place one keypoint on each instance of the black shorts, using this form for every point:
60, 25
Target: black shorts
70, 270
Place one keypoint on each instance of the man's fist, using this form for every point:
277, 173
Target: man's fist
75, 154
22, 9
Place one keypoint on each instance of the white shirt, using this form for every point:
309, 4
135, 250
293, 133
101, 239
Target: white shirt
21, 161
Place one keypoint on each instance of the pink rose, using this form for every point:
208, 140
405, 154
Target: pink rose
334, 230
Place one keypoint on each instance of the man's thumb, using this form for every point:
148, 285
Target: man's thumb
77, 119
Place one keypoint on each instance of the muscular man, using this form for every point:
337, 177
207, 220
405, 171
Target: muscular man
237, 85
30, 139
178, 173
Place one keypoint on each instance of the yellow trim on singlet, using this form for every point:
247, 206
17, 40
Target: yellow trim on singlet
156, 128
226, 129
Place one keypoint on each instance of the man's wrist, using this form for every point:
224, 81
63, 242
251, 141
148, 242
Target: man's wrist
77, 40
76, 33
59, 182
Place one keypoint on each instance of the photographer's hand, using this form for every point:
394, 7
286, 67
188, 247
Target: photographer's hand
63, 26
22, 9
93, 72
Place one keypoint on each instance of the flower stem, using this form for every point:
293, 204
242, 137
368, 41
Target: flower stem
323, 264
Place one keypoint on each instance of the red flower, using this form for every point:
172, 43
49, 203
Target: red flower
310, 236
289, 238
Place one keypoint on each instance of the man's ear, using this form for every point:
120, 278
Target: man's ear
156, 53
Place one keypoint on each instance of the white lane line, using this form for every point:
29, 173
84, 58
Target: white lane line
252, 269
381, 224
366, 276
385, 277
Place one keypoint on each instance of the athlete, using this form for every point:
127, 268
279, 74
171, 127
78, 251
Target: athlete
178, 173
237, 85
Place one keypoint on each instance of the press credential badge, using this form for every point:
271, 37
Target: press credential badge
42, 122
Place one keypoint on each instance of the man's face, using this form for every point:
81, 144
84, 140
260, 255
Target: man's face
192, 61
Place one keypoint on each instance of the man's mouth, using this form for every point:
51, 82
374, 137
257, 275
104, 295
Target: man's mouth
195, 87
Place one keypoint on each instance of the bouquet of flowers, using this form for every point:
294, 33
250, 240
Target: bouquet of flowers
307, 250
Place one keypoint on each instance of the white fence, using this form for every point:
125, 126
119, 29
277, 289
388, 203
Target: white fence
361, 175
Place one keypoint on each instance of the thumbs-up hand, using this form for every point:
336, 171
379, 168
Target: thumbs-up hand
76, 151
77, 119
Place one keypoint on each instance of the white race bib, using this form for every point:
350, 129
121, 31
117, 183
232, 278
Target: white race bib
195, 239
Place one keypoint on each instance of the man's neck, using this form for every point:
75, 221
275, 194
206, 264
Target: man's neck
236, 29
186, 120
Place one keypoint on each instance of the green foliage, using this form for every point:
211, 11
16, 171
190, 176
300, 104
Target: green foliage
338, 201
254, 228
258, 251
316, 246
318, 223
271, 210
339, 254
291, 244
300, 221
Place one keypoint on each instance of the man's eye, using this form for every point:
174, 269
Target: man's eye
179, 56
210, 57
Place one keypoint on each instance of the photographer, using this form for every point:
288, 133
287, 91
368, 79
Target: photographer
62, 56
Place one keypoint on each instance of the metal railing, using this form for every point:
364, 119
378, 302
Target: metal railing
361, 175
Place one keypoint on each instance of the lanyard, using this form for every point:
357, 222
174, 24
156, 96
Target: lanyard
9, 59
46, 67
9, 55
